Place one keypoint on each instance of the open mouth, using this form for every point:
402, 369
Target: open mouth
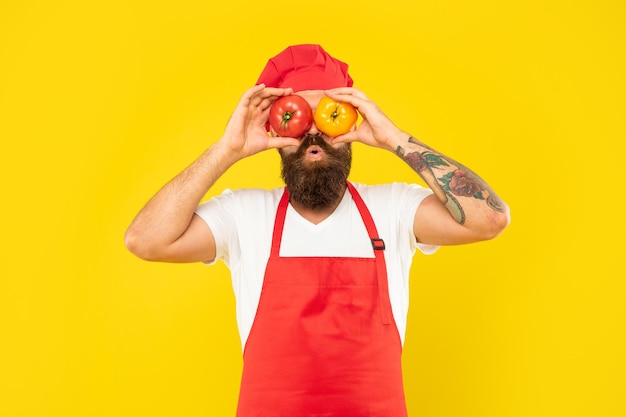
314, 152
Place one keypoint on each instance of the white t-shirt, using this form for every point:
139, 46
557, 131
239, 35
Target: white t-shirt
242, 223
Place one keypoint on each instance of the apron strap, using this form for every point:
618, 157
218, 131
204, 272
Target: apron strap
377, 244
279, 222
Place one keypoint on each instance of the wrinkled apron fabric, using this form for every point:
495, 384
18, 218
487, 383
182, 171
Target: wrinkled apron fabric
323, 342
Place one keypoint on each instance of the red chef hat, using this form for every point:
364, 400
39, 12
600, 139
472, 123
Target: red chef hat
305, 67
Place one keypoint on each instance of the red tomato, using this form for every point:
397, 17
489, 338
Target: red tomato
291, 116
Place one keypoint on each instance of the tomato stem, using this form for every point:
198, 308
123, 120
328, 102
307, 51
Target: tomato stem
286, 117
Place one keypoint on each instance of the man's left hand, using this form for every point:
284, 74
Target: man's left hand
376, 129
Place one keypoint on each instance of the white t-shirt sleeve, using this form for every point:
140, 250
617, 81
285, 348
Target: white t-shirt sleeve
415, 194
219, 214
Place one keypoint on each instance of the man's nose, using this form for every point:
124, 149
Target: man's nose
313, 130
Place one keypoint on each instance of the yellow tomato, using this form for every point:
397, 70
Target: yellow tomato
333, 117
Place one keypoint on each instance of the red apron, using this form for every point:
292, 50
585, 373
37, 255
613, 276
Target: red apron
323, 342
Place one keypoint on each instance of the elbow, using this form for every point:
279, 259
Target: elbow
497, 223
140, 246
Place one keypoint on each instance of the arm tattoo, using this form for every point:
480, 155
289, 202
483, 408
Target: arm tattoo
448, 179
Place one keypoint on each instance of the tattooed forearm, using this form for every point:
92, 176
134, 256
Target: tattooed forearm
448, 179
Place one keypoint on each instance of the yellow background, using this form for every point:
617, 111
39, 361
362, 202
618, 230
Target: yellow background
101, 102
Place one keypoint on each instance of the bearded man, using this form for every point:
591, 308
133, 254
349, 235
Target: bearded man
320, 268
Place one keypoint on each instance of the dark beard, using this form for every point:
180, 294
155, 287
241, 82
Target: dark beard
316, 184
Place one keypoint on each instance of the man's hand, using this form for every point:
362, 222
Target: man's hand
463, 208
245, 133
376, 129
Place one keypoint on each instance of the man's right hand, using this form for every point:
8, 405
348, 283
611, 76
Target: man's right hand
245, 133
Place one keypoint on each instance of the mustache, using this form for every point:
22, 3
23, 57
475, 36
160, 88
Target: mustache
314, 139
